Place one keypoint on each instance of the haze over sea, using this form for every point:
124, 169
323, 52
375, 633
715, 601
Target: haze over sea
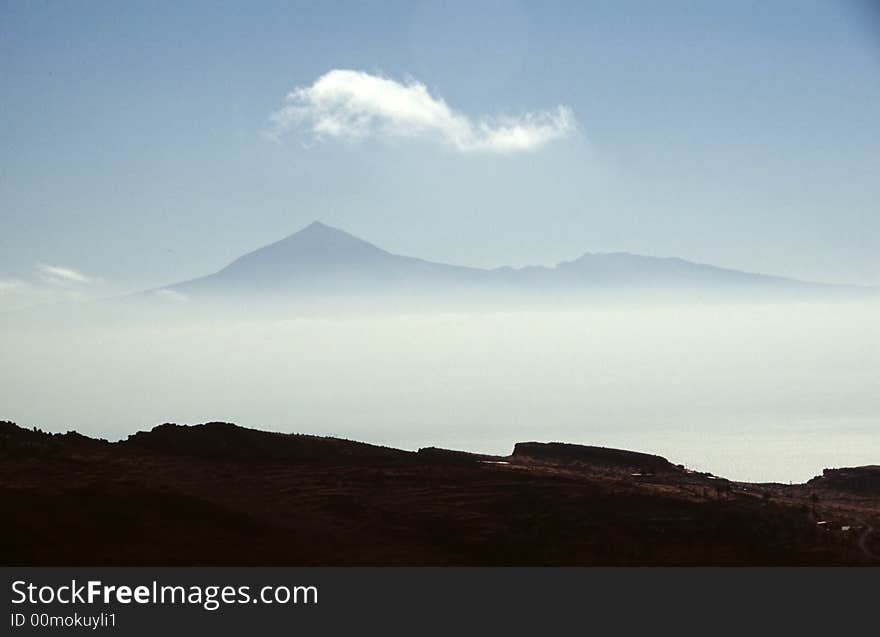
759, 392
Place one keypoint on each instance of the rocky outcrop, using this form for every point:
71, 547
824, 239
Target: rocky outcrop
559, 452
221, 440
864, 480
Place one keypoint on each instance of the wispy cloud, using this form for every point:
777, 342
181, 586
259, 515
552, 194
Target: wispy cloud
49, 284
171, 295
16, 294
10, 285
346, 104
60, 275
45, 284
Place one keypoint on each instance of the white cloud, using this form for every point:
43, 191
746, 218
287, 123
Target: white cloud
61, 275
345, 104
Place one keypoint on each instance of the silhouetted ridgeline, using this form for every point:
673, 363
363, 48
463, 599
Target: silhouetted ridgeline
324, 262
20, 442
227, 441
451, 455
219, 494
598, 456
856, 479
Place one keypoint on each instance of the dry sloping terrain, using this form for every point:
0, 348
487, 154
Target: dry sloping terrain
222, 494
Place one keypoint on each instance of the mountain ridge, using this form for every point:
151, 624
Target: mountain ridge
219, 494
324, 260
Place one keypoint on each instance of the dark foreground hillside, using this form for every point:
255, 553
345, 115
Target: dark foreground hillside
218, 494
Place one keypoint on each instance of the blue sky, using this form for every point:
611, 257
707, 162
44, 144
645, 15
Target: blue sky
137, 145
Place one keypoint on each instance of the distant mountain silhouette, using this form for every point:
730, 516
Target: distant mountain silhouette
320, 260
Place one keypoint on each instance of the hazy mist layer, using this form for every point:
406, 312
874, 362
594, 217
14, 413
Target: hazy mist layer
757, 392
